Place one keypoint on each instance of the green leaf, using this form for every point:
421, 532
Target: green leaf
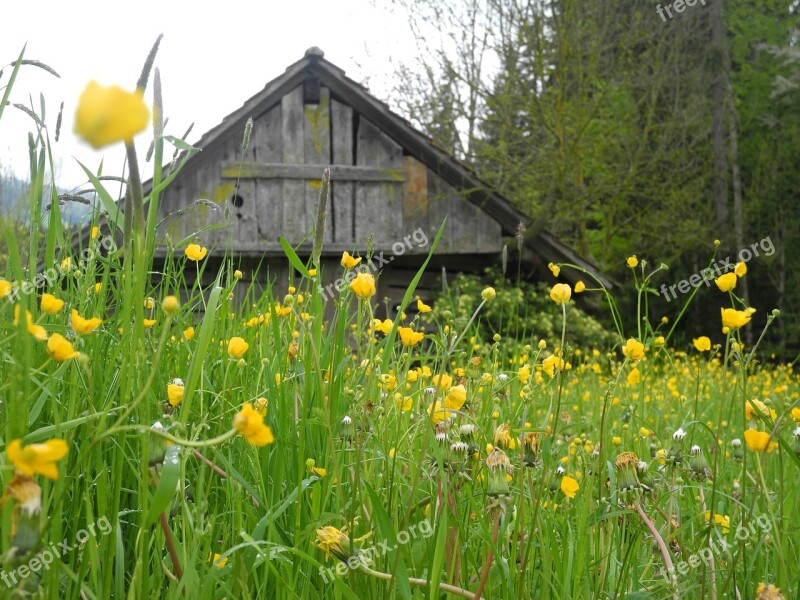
389, 339
266, 520
292, 256
396, 564
203, 343
111, 207
10, 83
170, 473
181, 144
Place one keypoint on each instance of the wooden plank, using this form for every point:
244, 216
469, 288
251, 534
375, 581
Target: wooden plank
437, 211
342, 192
490, 234
379, 206
209, 187
463, 218
419, 146
234, 170
268, 146
317, 145
294, 226
415, 197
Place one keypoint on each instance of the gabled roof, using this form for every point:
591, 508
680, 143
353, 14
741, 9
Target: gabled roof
414, 142
396, 127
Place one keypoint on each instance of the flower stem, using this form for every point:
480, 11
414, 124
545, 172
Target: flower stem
662, 547
445, 587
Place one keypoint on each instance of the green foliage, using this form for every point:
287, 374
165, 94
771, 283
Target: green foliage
521, 310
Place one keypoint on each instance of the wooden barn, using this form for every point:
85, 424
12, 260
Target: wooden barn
391, 188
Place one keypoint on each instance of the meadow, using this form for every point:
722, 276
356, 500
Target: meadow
160, 440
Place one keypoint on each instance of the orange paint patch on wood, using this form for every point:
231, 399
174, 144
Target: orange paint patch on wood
415, 189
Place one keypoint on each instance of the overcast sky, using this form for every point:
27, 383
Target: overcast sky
213, 57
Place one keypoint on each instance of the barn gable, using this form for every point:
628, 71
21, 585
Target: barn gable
388, 180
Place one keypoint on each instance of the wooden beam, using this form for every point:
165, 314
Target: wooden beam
420, 147
309, 172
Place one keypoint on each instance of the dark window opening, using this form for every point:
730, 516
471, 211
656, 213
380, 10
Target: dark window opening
237, 200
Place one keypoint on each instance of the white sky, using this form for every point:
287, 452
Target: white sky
213, 57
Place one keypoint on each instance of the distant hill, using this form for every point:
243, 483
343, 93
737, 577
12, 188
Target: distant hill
14, 201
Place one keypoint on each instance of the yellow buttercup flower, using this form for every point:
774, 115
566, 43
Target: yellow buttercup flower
385, 326
350, 262
250, 425
37, 331
702, 344
726, 282
237, 347
755, 404
560, 293
422, 307
363, 285
524, 374
443, 381
488, 294
219, 562
175, 391
759, 441
569, 486
634, 376
456, 397
409, 337
580, 287
50, 304
188, 333
195, 252
106, 115
83, 326
170, 304
551, 363
404, 403
633, 349
735, 319
148, 323
632, 261
60, 349
282, 311
554, 269
722, 520
740, 269
5, 288
312, 468
37, 458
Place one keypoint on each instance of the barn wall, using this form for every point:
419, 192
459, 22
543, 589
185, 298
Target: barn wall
272, 189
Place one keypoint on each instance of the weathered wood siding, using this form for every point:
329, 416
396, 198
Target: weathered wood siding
377, 190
